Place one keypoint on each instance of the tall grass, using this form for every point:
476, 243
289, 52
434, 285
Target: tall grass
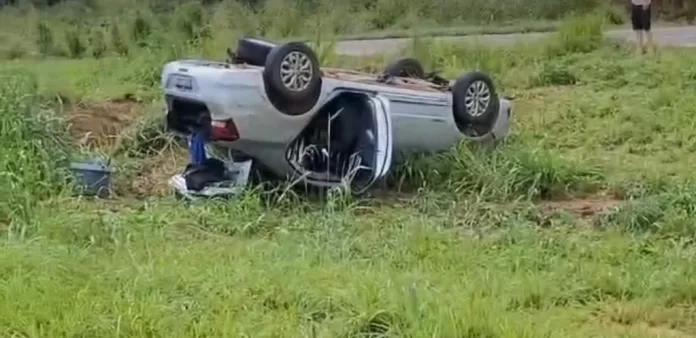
34, 149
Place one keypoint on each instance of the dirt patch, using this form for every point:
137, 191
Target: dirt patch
587, 206
635, 319
153, 178
99, 123
645, 330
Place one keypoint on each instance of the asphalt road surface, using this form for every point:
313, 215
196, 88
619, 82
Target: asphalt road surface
666, 36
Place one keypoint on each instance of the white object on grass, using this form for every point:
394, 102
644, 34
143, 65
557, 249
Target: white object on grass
238, 174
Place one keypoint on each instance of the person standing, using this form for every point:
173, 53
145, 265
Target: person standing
641, 22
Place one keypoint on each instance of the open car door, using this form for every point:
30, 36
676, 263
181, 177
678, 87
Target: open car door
348, 143
375, 147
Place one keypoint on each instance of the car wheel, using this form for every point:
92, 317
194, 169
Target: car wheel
252, 51
475, 102
406, 67
292, 77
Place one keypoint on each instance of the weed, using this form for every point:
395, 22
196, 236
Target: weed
97, 41
555, 74
665, 214
76, 48
44, 38
34, 151
117, 42
189, 19
581, 34
13, 48
146, 137
141, 30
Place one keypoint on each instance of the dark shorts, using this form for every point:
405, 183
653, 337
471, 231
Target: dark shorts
640, 18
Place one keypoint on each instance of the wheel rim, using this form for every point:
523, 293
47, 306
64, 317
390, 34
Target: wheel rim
296, 71
478, 98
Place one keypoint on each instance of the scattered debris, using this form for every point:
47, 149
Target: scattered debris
209, 180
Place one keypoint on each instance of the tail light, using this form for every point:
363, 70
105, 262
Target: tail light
224, 130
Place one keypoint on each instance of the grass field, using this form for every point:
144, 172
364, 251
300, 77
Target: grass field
580, 225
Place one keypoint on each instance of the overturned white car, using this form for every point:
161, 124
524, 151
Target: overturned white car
273, 104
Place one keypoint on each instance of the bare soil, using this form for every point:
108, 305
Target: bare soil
584, 206
99, 123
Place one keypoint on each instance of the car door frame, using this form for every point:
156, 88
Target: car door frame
380, 109
384, 140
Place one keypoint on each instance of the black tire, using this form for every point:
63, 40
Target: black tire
308, 90
406, 67
465, 89
252, 51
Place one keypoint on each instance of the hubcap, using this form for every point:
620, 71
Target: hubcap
478, 98
296, 71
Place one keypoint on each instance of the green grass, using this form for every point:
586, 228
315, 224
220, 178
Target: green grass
167, 270
502, 28
86, 79
467, 243
79, 28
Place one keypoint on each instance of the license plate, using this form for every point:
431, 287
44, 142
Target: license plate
182, 83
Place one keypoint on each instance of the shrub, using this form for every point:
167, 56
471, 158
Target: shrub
141, 29
97, 43
581, 34
553, 73
76, 48
117, 43
44, 40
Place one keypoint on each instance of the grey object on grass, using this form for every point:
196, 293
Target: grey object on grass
92, 178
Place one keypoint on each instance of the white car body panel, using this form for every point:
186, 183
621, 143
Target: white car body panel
414, 119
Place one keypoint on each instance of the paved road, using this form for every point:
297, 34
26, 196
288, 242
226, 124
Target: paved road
669, 36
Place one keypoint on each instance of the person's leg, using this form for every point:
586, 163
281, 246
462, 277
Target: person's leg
640, 44
637, 25
647, 23
197, 145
